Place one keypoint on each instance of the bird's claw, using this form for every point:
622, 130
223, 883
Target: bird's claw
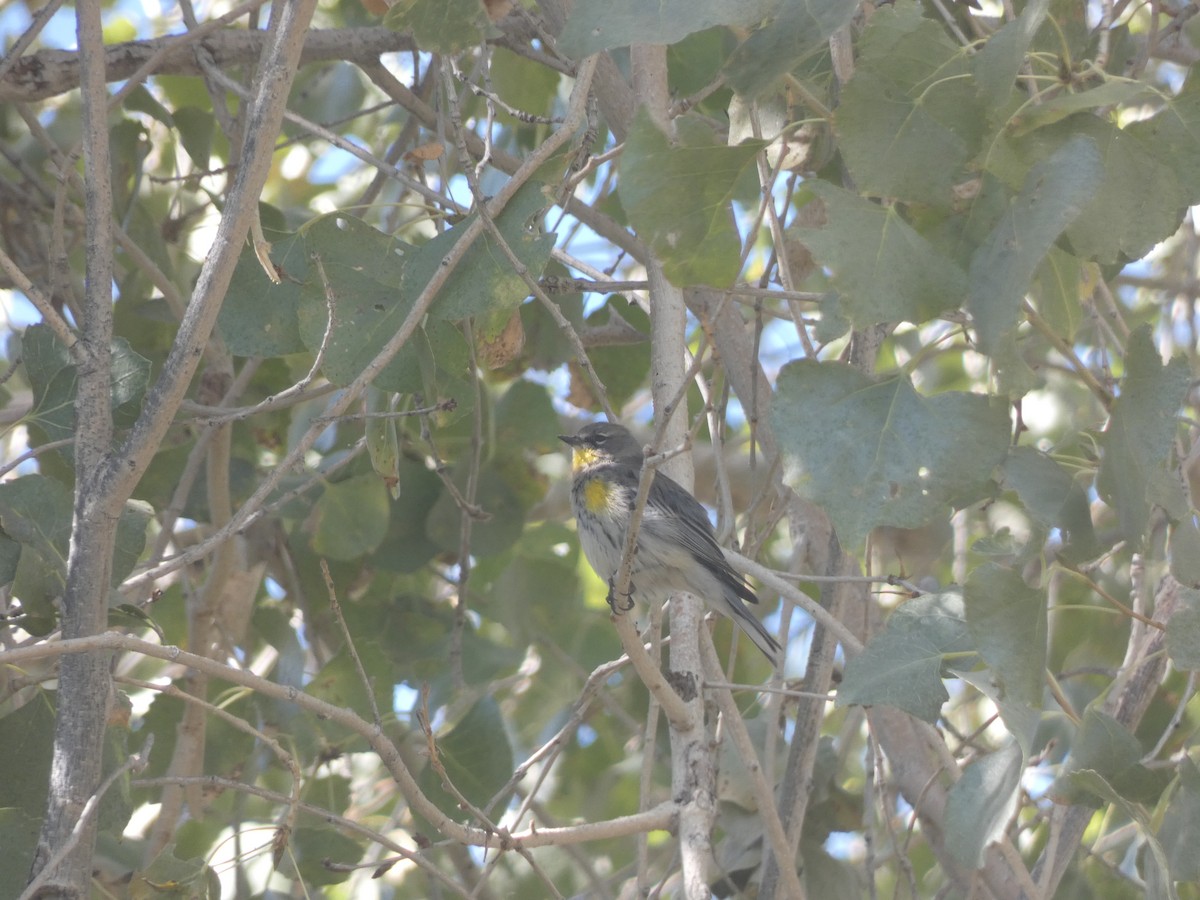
614, 603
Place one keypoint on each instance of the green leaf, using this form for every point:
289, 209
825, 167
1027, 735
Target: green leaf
383, 439
1183, 631
877, 452
26, 746
477, 758
1155, 867
1137, 202
1180, 823
141, 100
1110, 93
999, 60
902, 665
259, 317
593, 27
1056, 289
351, 517
37, 512
1007, 621
980, 804
1173, 135
363, 268
525, 418
886, 271
196, 133
485, 281
497, 495
407, 546
621, 368
910, 118
310, 852
10, 554
799, 30
1137, 441
53, 378
1102, 745
431, 363
678, 197
19, 836
131, 538
1184, 550
1055, 193
442, 26
1053, 498
523, 84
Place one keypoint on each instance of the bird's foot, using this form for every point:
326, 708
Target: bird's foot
615, 603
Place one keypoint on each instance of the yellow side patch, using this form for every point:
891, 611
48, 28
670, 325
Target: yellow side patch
595, 495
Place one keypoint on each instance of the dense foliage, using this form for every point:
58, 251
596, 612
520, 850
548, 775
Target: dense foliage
300, 297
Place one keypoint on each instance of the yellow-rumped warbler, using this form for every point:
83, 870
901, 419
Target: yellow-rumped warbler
676, 547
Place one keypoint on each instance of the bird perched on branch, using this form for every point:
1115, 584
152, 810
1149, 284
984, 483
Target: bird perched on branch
676, 548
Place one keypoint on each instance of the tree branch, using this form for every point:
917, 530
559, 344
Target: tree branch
658, 818
50, 72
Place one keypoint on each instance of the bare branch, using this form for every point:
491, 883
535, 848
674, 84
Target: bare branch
50, 72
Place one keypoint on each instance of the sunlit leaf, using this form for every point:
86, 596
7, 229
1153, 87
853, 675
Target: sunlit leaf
910, 118
885, 270
980, 804
902, 665
678, 196
442, 25
875, 452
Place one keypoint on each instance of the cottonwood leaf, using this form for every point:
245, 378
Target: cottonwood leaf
1054, 499
445, 26
260, 317
351, 517
876, 452
910, 119
1180, 823
1055, 192
799, 30
980, 804
593, 27
902, 665
1183, 631
999, 60
678, 197
1141, 428
1007, 621
885, 270
477, 758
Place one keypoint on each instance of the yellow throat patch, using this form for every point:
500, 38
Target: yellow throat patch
582, 457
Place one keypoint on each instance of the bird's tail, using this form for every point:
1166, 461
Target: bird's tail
755, 630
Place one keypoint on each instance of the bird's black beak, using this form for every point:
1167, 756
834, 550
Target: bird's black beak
571, 440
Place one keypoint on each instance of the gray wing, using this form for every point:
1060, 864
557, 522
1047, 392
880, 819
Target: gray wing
689, 527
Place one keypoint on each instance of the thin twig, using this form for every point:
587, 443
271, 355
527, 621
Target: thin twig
336, 606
